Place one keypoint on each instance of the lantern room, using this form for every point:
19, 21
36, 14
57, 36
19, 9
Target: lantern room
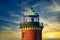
31, 16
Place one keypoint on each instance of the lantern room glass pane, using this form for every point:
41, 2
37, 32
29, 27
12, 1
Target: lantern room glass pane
35, 19
27, 19
31, 19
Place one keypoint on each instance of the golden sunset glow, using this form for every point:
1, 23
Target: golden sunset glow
9, 35
51, 35
22, 19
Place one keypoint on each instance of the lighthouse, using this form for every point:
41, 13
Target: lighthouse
31, 29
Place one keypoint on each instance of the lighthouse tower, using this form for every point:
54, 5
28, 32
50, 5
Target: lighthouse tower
30, 28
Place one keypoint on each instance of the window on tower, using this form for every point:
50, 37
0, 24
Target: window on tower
38, 34
23, 34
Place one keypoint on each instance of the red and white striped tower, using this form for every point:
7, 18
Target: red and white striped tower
30, 28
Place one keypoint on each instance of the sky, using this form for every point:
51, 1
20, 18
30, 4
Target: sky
11, 15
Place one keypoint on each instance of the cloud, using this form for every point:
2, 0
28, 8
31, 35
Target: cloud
51, 25
44, 21
13, 21
23, 3
51, 18
14, 18
54, 19
58, 18
10, 29
14, 15
54, 7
